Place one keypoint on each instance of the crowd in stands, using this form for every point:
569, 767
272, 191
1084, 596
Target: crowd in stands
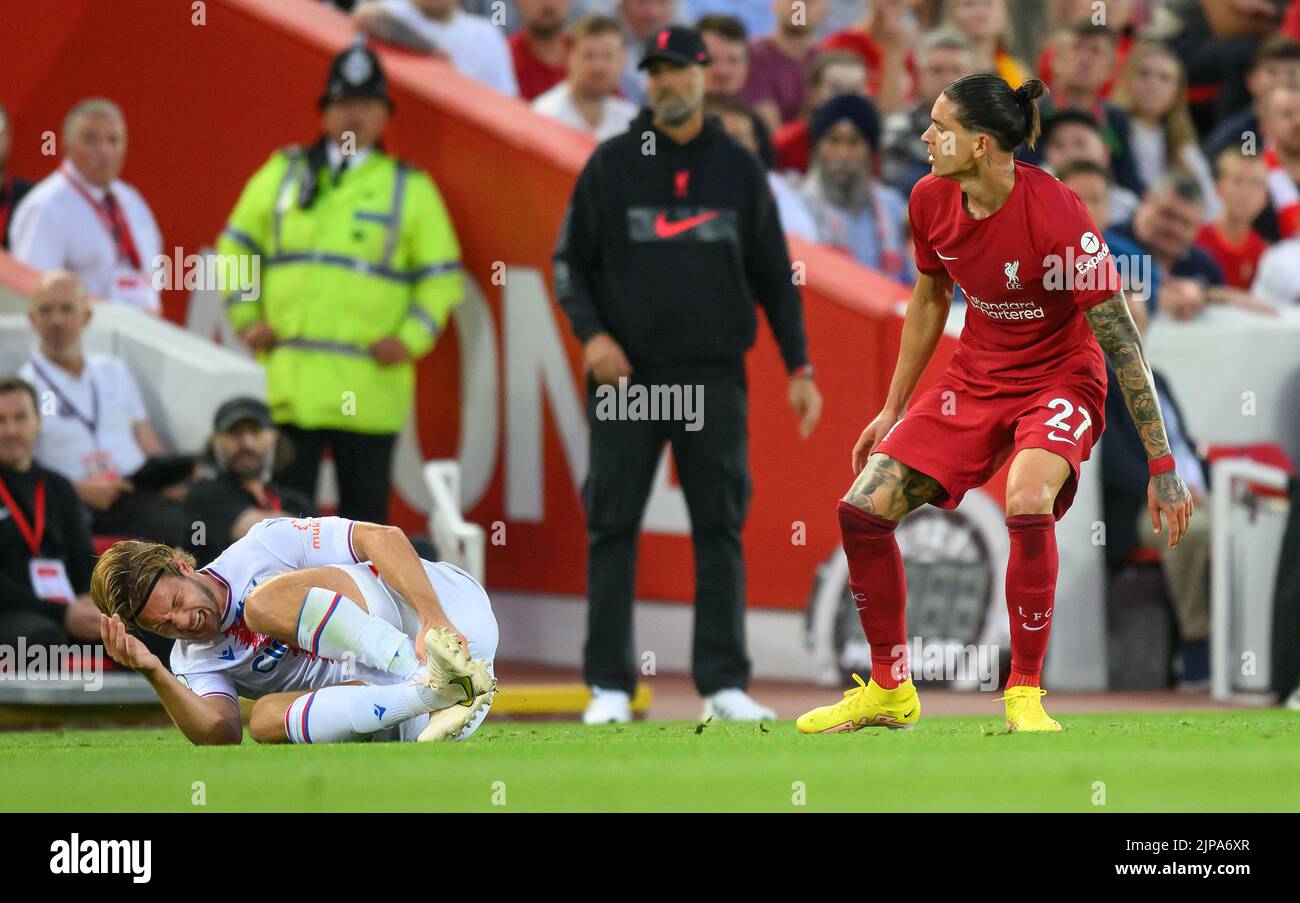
1177, 123
1145, 89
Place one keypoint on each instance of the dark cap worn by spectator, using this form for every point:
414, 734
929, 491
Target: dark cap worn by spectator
356, 74
677, 44
851, 108
239, 494
238, 410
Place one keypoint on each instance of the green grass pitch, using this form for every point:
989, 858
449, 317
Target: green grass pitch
1199, 761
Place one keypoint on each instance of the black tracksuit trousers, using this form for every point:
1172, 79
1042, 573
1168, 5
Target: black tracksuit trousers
713, 468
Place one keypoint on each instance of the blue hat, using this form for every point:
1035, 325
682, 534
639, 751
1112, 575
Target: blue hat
856, 109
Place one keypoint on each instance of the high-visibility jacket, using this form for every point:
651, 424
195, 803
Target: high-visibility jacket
372, 256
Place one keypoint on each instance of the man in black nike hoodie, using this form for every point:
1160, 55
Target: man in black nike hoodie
670, 239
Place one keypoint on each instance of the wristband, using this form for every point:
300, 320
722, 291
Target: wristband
805, 370
1162, 464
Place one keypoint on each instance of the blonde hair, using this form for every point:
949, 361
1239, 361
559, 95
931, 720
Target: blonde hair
1177, 120
128, 571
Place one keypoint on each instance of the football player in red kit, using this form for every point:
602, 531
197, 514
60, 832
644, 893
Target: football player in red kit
1028, 383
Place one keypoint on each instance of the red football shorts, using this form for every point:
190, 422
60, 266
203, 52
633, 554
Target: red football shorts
962, 430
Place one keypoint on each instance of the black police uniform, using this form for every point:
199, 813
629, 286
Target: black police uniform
666, 251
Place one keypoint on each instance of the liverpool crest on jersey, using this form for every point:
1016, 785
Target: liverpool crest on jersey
1012, 271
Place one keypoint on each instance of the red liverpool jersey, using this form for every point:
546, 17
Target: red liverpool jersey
1028, 272
1238, 262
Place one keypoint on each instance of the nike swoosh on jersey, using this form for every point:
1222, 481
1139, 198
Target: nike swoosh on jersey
665, 229
1056, 438
941, 257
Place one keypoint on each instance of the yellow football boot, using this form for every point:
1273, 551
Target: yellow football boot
1025, 710
866, 705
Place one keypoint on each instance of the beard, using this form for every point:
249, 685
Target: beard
545, 31
243, 465
674, 110
848, 189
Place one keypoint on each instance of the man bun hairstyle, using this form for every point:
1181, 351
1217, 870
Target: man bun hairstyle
986, 103
1026, 96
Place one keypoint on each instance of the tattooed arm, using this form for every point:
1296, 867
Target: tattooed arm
1118, 336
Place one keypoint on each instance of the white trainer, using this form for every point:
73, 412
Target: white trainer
449, 670
608, 707
446, 724
735, 705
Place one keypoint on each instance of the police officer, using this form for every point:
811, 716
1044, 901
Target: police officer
360, 269
670, 238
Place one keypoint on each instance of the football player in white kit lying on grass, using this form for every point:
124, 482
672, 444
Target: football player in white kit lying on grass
337, 628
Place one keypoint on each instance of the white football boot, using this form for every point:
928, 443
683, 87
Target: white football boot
735, 705
450, 672
608, 707
447, 724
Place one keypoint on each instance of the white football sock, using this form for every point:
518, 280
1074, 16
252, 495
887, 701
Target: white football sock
332, 626
349, 713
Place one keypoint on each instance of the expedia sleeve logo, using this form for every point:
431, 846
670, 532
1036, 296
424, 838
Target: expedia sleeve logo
1096, 250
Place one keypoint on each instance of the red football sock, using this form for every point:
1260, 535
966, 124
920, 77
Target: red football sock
1031, 589
879, 590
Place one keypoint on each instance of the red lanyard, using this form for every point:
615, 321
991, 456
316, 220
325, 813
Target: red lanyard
31, 534
113, 219
274, 501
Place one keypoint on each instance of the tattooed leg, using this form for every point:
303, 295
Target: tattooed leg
890, 489
886, 490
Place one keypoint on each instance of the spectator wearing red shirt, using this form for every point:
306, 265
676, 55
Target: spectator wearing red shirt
1280, 133
1120, 15
540, 48
834, 73
883, 39
1242, 186
777, 87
